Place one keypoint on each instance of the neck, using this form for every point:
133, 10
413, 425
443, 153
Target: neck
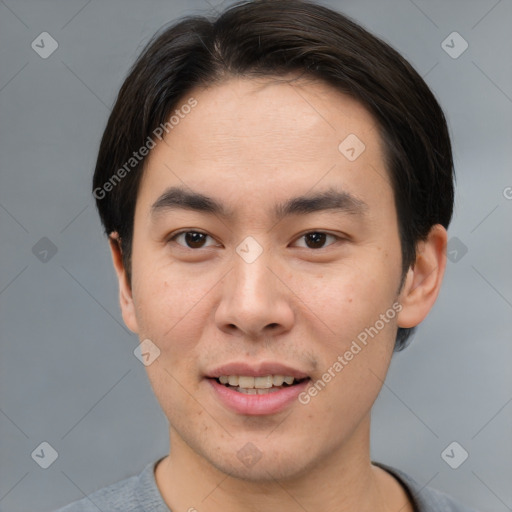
341, 482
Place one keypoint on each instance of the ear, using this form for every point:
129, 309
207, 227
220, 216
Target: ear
424, 277
125, 292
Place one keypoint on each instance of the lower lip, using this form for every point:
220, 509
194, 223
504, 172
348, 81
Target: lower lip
270, 403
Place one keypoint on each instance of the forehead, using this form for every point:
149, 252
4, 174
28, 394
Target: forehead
273, 115
250, 138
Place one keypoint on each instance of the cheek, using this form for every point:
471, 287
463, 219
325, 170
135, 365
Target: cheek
345, 299
353, 343
352, 370
170, 308
171, 312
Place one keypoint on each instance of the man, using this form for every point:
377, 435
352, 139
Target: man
276, 186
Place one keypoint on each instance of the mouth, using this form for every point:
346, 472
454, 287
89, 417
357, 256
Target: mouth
265, 385
264, 389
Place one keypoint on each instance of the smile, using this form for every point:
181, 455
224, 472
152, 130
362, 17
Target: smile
257, 385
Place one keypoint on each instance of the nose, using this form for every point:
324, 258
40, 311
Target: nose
255, 300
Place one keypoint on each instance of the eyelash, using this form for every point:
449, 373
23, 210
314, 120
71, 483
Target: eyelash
173, 237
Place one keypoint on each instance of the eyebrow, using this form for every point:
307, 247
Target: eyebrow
179, 197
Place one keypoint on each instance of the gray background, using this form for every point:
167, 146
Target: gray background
68, 375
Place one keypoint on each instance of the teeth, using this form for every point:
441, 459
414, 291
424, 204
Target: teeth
278, 380
247, 384
257, 391
263, 382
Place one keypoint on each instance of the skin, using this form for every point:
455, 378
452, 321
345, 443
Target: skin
251, 144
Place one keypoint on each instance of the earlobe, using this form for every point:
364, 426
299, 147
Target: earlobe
125, 292
424, 278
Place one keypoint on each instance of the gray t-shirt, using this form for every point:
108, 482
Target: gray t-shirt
140, 494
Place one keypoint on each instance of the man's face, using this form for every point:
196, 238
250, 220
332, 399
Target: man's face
255, 293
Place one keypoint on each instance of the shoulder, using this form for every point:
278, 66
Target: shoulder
134, 494
425, 499
115, 497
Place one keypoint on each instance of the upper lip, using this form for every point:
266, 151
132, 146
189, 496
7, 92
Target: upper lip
256, 370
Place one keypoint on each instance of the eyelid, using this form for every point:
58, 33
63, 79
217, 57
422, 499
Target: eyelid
174, 235
319, 231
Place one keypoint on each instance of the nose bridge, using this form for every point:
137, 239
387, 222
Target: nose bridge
251, 259
252, 276
252, 287
253, 300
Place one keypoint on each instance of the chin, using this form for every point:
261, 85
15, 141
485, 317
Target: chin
255, 461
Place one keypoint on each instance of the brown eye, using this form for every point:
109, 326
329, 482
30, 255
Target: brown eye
316, 239
192, 239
